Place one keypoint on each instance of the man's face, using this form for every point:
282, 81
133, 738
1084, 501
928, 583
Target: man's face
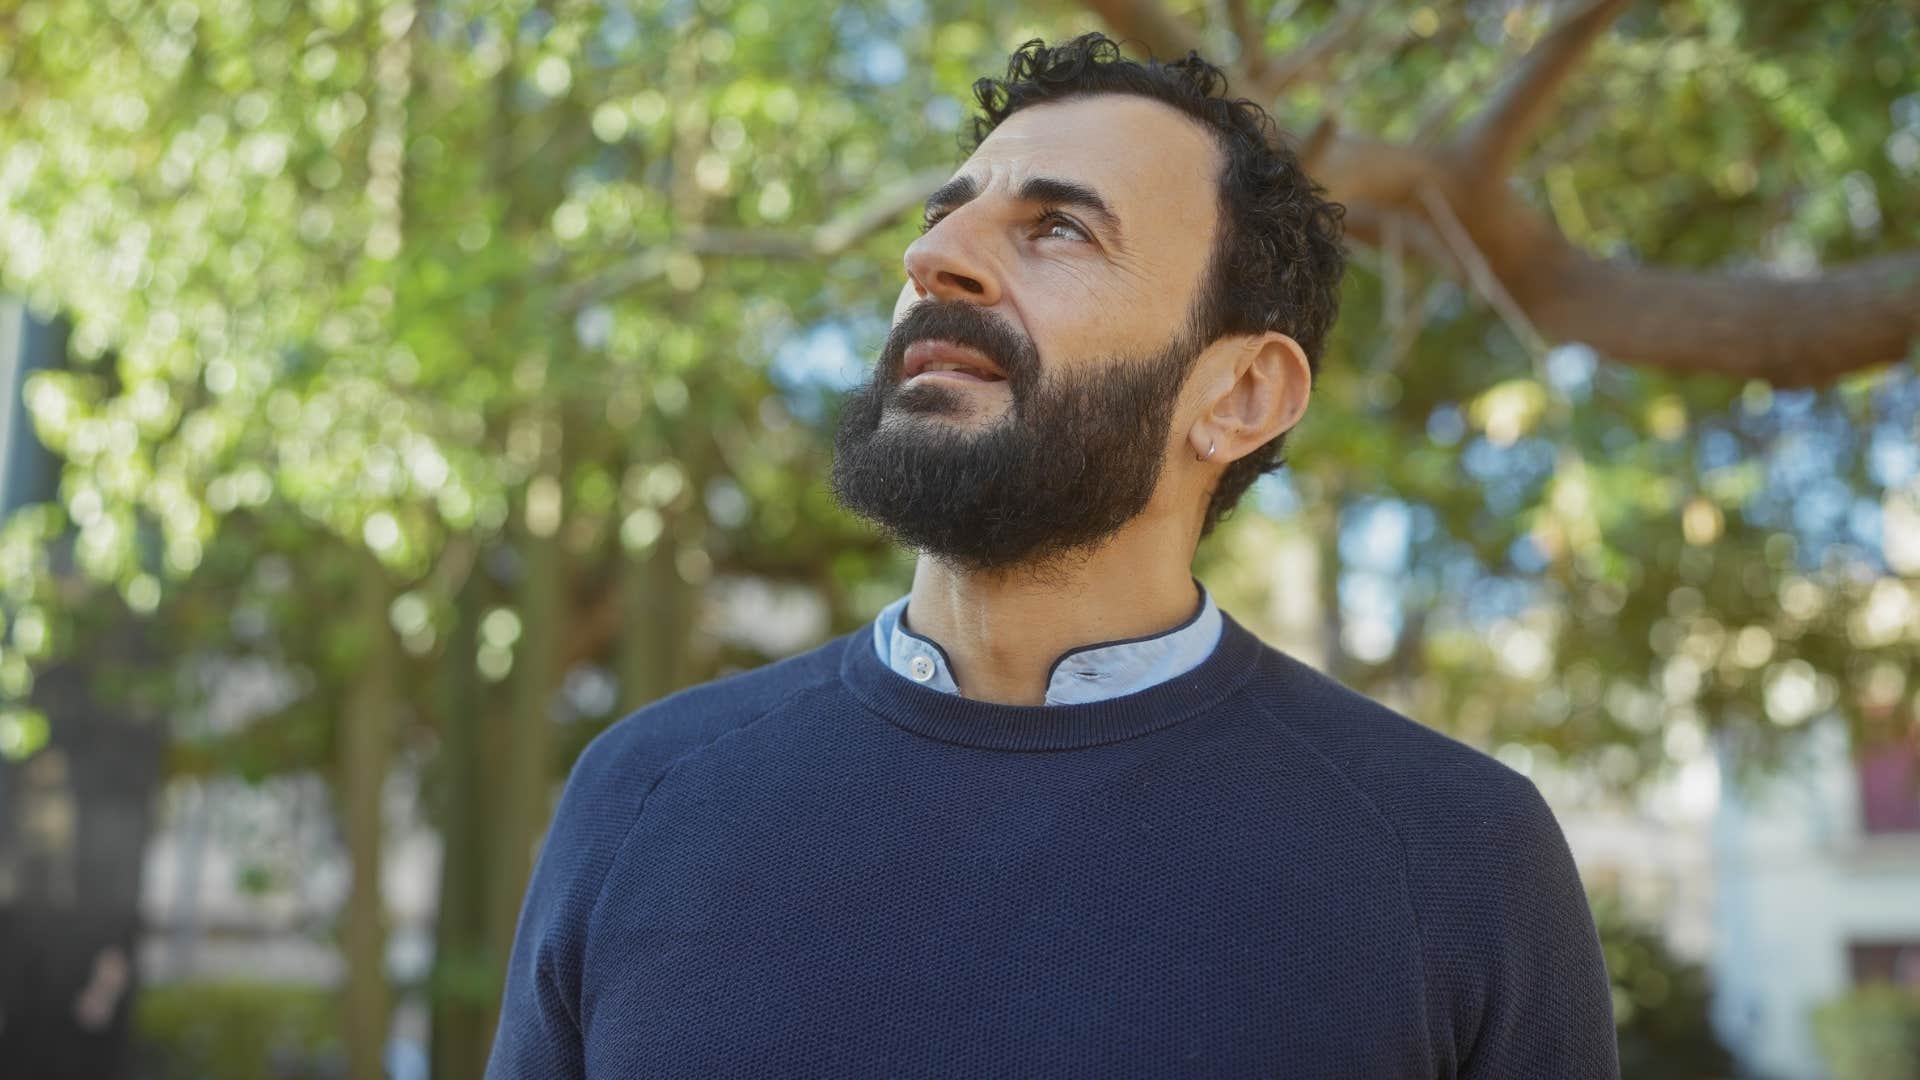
1065, 259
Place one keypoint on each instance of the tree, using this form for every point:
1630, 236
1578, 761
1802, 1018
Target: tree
1447, 195
482, 330
358, 331
1654, 572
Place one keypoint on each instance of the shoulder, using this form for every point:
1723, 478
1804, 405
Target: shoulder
1489, 876
609, 782
636, 749
1428, 785
605, 791
1482, 850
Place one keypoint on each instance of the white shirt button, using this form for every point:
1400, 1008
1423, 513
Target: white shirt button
922, 668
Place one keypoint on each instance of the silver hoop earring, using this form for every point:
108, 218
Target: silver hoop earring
1211, 447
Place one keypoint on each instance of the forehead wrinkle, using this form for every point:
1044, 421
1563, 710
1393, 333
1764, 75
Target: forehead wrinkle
1096, 140
1199, 162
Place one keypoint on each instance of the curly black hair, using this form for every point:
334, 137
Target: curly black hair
1277, 255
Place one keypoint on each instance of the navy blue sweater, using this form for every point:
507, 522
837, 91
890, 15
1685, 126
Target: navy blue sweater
821, 868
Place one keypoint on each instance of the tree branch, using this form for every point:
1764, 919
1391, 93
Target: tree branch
878, 212
1787, 331
1484, 280
1146, 22
1492, 140
1306, 62
1248, 32
819, 242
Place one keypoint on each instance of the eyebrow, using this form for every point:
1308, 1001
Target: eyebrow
1038, 189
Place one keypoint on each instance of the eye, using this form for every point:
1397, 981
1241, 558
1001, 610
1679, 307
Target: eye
1054, 219
931, 219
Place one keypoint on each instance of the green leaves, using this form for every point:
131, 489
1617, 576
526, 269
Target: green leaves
335, 270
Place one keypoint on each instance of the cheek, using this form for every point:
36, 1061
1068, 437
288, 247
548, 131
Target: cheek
1073, 312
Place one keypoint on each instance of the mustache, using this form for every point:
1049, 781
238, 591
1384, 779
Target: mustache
963, 324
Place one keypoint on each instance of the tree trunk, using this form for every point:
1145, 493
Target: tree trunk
466, 976
655, 615
526, 763
366, 751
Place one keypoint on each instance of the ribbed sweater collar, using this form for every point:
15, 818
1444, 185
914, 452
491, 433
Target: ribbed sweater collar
955, 719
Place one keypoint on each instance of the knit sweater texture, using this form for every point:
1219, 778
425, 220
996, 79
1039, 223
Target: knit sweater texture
821, 868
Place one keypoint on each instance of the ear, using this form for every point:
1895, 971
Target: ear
1261, 393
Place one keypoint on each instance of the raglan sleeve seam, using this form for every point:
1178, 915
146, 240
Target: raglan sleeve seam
1399, 842
639, 812
1547, 852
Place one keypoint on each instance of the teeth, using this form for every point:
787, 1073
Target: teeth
948, 365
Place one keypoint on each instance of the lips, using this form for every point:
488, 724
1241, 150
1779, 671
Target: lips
948, 358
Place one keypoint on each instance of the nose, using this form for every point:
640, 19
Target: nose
949, 262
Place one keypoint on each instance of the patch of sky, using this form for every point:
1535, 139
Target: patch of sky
593, 327
535, 25
1423, 523
1458, 577
1481, 459
1818, 513
882, 63
1863, 523
1370, 613
1570, 369
1718, 448
1274, 495
1446, 425
589, 691
942, 113
1892, 458
850, 21
727, 505
618, 29
1905, 112
1898, 394
907, 12
1794, 404
1446, 302
1374, 536
1534, 458
1508, 473
1493, 598
1799, 459
868, 51
675, 13
815, 367
1526, 556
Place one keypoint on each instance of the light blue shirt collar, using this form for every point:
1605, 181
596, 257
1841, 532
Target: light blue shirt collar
1088, 673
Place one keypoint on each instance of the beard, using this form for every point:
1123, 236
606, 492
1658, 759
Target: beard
1074, 457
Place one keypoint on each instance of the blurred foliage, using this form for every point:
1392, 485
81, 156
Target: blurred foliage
347, 274
524, 300
1660, 1002
1871, 1033
238, 1031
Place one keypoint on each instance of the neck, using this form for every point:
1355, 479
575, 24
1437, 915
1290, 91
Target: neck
1003, 631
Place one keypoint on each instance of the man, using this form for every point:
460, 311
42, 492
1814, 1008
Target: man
1054, 812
